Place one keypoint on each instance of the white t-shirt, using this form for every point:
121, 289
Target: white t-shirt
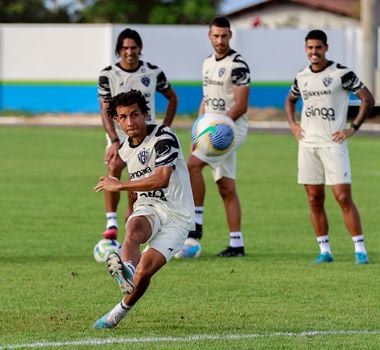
146, 77
161, 148
325, 96
219, 78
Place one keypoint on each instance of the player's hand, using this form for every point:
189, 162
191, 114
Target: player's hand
108, 183
297, 131
342, 135
111, 153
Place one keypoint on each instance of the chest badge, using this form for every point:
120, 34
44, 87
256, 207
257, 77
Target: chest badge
327, 81
221, 72
143, 156
145, 81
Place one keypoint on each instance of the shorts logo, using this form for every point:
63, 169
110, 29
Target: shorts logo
145, 81
327, 81
143, 156
221, 72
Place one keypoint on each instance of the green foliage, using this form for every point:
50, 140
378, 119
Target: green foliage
30, 11
53, 290
150, 11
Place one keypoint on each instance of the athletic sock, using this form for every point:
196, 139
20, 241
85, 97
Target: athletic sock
199, 215
111, 219
324, 244
118, 313
359, 244
236, 239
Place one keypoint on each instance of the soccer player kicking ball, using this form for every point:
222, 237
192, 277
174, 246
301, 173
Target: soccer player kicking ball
323, 153
163, 206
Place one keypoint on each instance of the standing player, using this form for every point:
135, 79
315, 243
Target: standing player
129, 73
163, 211
226, 81
323, 153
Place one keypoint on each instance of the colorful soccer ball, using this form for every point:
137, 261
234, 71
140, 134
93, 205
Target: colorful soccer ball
191, 249
104, 247
213, 134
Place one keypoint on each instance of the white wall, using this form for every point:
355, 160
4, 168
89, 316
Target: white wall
67, 52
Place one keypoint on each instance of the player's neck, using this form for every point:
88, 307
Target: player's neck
129, 66
317, 67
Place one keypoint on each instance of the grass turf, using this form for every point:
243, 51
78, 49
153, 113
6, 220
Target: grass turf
52, 289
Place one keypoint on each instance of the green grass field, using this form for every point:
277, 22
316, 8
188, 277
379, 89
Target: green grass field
52, 290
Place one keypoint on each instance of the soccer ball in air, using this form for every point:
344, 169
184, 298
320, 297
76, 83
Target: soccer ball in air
191, 249
104, 247
213, 134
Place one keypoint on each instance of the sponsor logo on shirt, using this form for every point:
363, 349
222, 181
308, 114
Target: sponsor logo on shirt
307, 93
324, 113
208, 81
217, 104
140, 173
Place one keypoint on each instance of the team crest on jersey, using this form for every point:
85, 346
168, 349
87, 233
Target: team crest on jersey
327, 81
221, 72
145, 81
143, 156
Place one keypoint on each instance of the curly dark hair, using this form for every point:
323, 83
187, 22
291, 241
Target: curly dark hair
127, 99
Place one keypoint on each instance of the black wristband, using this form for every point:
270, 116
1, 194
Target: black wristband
115, 139
355, 127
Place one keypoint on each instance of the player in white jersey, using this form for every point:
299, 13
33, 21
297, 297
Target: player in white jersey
226, 83
129, 73
323, 157
163, 208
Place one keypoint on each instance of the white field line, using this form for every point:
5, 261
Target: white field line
190, 338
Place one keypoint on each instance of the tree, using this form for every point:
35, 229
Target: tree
30, 11
150, 11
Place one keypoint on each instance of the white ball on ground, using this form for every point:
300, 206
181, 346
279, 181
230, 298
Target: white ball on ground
191, 249
104, 247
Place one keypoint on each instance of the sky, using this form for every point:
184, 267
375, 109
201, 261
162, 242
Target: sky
231, 5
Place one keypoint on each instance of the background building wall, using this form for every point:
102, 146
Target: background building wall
54, 68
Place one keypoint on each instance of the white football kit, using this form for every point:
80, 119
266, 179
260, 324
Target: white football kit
147, 78
325, 97
219, 78
170, 210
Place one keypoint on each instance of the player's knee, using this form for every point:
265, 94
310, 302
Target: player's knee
344, 200
316, 202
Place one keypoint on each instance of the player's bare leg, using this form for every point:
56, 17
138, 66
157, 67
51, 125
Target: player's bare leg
112, 199
227, 191
316, 199
195, 166
352, 220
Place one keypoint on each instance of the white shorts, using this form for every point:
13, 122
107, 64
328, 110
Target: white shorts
324, 165
167, 236
225, 165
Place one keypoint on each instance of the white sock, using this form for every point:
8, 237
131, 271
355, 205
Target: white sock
111, 219
359, 244
324, 244
199, 215
236, 239
118, 313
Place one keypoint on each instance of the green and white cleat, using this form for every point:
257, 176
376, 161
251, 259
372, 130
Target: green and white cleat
121, 272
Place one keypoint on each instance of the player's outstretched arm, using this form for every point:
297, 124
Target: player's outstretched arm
159, 179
